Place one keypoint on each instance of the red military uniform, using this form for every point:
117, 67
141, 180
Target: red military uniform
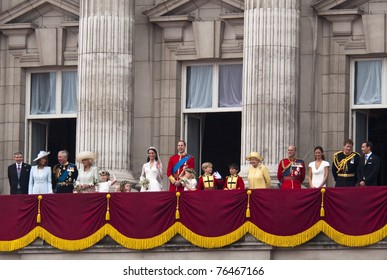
208, 182
234, 182
174, 176
291, 173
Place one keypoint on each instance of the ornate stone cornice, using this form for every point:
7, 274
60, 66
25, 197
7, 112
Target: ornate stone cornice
341, 20
237, 21
26, 11
173, 26
17, 34
325, 5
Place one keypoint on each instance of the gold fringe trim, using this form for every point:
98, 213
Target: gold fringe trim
354, 240
177, 215
248, 204
322, 211
212, 242
196, 239
285, 241
8, 246
72, 245
145, 243
107, 215
38, 217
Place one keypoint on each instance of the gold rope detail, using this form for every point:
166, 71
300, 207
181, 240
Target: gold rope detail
248, 204
38, 217
107, 216
322, 211
177, 215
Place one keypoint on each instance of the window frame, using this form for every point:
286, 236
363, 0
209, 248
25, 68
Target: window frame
58, 94
383, 103
215, 88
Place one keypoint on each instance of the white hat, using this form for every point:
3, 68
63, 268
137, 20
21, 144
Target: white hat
41, 154
85, 155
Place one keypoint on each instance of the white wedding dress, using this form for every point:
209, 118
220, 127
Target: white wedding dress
154, 175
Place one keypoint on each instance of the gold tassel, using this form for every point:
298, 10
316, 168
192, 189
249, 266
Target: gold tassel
39, 217
322, 210
248, 204
107, 216
177, 215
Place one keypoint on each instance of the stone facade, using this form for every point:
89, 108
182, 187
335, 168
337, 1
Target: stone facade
298, 74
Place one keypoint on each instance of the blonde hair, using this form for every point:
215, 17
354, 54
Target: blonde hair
206, 164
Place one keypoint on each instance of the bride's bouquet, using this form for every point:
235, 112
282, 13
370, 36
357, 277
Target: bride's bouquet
144, 182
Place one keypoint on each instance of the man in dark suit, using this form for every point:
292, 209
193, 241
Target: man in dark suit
369, 166
19, 175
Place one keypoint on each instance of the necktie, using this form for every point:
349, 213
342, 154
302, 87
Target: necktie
18, 170
365, 158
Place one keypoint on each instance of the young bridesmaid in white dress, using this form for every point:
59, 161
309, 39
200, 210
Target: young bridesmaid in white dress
153, 171
318, 169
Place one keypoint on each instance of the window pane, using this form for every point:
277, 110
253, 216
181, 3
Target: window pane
199, 86
230, 85
43, 87
368, 82
38, 138
69, 92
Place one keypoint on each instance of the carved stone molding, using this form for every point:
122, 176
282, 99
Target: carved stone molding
173, 26
237, 22
17, 34
341, 20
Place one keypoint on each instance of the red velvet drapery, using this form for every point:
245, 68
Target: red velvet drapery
354, 216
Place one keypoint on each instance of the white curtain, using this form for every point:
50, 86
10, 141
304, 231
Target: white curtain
43, 87
69, 92
368, 82
199, 86
230, 85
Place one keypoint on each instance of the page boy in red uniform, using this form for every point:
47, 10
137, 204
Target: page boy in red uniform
234, 181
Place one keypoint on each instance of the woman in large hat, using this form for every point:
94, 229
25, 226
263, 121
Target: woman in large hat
257, 175
40, 175
87, 173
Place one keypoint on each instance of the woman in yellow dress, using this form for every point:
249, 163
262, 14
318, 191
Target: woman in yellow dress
258, 176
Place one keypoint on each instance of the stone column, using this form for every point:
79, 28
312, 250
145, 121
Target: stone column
104, 122
271, 87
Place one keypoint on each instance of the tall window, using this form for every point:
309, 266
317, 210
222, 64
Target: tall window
368, 82
369, 77
52, 94
215, 86
51, 99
